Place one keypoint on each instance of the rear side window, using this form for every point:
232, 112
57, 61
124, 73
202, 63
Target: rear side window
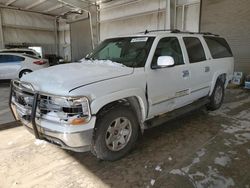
10, 58
218, 47
194, 49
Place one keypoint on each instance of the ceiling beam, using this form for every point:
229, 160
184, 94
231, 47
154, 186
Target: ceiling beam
9, 2
54, 7
35, 4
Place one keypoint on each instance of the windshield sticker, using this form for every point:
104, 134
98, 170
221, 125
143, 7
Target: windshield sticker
140, 39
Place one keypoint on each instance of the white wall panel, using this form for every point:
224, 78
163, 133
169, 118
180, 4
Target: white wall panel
27, 19
132, 25
231, 19
131, 17
21, 27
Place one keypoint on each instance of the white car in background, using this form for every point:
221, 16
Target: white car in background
14, 65
21, 51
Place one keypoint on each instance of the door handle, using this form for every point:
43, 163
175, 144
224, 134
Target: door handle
185, 73
207, 69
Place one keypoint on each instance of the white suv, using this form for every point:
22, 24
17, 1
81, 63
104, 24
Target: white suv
127, 84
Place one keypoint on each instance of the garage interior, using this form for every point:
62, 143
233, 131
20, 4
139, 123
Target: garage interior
200, 149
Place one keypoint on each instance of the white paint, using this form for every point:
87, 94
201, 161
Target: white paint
58, 81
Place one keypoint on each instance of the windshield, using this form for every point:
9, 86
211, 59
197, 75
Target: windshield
129, 51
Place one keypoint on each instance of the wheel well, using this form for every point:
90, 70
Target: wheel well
23, 71
131, 102
222, 78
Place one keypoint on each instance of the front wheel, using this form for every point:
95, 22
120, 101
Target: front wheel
217, 96
115, 134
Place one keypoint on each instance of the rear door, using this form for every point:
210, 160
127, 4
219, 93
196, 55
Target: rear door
200, 68
10, 66
167, 86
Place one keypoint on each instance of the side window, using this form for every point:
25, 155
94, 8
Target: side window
168, 46
2, 58
10, 58
218, 47
15, 58
194, 49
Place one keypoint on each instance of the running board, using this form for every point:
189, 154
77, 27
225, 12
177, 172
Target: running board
176, 113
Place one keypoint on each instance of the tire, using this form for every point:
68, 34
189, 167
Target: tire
24, 72
115, 134
217, 96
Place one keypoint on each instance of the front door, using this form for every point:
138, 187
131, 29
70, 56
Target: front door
167, 85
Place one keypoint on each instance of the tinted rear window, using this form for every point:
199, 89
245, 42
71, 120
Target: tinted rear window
194, 49
218, 47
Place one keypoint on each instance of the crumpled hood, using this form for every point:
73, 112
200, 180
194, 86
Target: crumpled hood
61, 79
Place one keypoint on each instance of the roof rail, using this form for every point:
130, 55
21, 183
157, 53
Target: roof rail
178, 31
159, 30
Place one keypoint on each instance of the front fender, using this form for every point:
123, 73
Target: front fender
100, 102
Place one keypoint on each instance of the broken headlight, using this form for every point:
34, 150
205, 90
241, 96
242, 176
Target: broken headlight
66, 110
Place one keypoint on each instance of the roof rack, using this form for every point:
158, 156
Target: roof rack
178, 31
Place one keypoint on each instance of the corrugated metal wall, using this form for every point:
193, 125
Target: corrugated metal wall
230, 18
126, 17
21, 27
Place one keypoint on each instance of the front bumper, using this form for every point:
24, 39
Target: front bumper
74, 141
78, 140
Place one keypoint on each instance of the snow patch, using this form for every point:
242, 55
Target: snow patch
158, 168
39, 142
177, 172
214, 179
152, 182
248, 151
222, 161
102, 62
201, 152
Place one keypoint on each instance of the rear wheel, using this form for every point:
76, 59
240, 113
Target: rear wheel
217, 96
24, 72
115, 134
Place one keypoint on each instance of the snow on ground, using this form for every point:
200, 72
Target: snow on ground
40, 142
222, 160
237, 133
158, 168
248, 151
152, 182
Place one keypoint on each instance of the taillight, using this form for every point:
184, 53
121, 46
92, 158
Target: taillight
40, 62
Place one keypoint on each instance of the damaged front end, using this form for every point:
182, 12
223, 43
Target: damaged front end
62, 120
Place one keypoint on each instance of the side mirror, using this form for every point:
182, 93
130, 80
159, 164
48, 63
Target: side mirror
165, 61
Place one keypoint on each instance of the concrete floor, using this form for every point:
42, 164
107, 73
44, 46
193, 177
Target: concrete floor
202, 149
5, 115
